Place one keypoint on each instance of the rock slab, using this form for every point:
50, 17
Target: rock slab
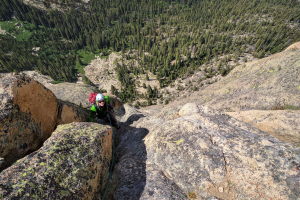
193, 152
72, 164
29, 113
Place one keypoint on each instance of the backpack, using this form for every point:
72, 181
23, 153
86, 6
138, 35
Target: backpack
92, 97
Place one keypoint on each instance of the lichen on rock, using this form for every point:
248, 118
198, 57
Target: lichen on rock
72, 164
29, 113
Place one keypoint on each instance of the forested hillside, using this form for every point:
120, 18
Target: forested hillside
171, 37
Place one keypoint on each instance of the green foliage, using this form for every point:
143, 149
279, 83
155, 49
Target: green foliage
56, 82
285, 107
85, 56
128, 92
22, 31
172, 38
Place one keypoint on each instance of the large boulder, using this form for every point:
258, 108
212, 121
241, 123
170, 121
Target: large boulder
69, 112
28, 115
72, 164
193, 152
76, 93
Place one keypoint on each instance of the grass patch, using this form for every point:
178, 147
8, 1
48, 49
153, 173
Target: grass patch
291, 107
84, 57
22, 31
8, 26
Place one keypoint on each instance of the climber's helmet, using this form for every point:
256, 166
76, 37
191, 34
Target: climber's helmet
100, 100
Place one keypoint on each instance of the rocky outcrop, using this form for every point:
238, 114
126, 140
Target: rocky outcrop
193, 152
73, 93
268, 83
102, 72
68, 92
29, 113
60, 5
69, 112
282, 124
72, 164
295, 46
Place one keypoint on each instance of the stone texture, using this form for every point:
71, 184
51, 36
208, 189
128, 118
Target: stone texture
282, 124
102, 72
59, 5
69, 112
72, 164
202, 155
188, 109
295, 46
75, 93
28, 113
268, 83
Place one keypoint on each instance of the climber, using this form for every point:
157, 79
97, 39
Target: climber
102, 112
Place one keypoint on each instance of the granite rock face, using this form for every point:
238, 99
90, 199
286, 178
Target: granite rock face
183, 153
72, 164
265, 84
75, 93
282, 124
29, 113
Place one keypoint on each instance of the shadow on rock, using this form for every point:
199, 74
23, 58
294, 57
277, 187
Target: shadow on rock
129, 173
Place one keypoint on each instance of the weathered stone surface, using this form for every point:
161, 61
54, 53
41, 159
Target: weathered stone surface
72, 164
102, 72
28, 115
75, 93
70, 92
69, 112
202, 155
282, 124
188, 109
295, 46
268, 83
60, 5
